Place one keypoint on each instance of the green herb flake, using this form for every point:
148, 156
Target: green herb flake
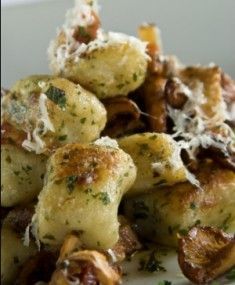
183, 232
57, 96
120, 86
198, 222
88, 191
153, 137
151, 264
27, 168
135, 77
8, 159
231, 274
164, 282
193, 206
161, 182
48, 236
143, 147
83, 32
62, 138
16, 173
104, 198
225, 224
70, 182
83, 120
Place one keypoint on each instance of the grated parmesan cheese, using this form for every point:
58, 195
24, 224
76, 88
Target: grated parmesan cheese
193, 127
43, 125
106, 141
32, 227
82, 15
112, 255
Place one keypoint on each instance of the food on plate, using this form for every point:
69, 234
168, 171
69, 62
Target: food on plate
157, 158
120, 147
51, 112
22, 175
162, 213
206, 253
83, 188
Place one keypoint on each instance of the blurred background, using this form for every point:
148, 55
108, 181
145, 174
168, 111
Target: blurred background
197, 31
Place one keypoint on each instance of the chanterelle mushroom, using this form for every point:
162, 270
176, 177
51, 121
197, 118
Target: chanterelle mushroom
205, 253
123, 116
85, 267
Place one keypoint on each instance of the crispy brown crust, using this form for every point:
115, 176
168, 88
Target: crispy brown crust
212, 178
11, 135
84, 161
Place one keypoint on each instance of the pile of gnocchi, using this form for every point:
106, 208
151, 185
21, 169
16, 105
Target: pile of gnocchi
121, 145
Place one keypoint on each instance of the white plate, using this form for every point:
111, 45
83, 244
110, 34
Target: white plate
196, 31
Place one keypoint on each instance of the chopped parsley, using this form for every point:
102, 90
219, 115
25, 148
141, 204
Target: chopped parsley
120, 86
231, 274
151, 264
83, 32
57, 96
198, 222
225, 224
161, 182
70, 182
62, 138
164, 282
48, 236
135, 77
143, 147
83, 120
183, 232
8, 159
153, 137
27, 168
193, 206
104, 197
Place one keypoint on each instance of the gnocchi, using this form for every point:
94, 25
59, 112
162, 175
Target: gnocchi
21, 176
13, 255
83, 188
161, 214
53, 111
157, 158
109, 64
